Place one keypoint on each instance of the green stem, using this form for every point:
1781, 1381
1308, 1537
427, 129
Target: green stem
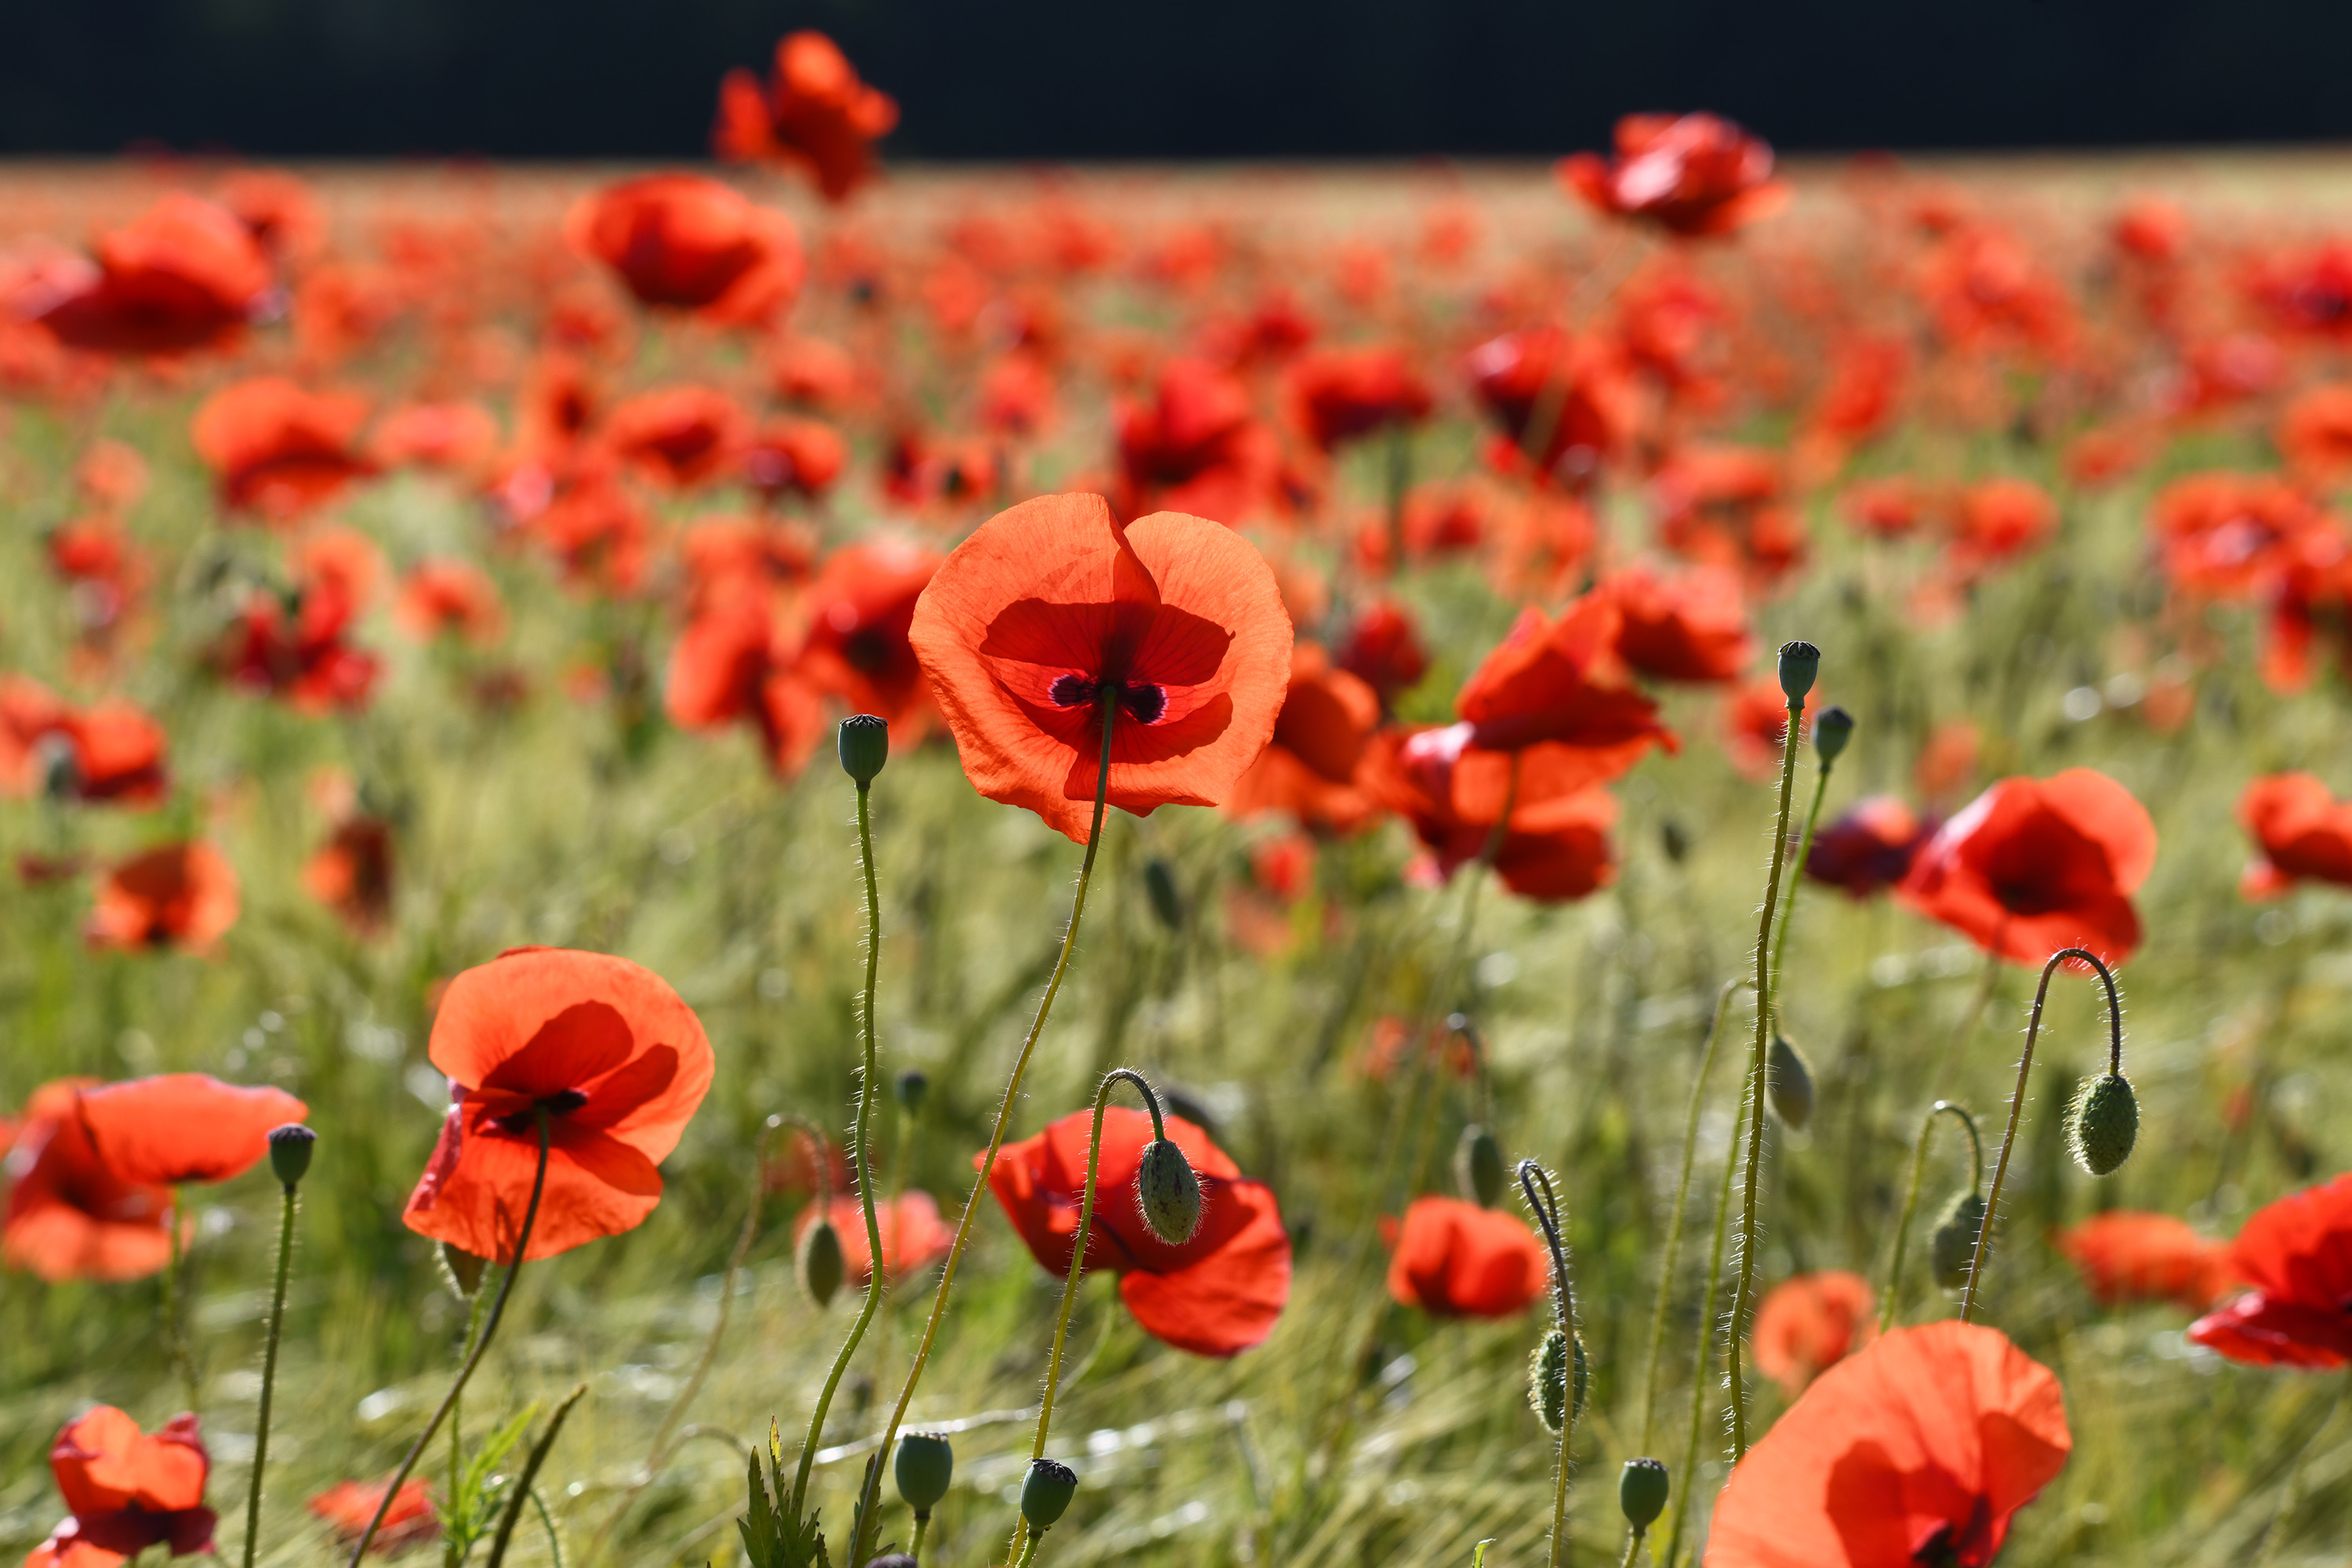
175, 1328
1797, 875
268, 1376
1633, 1550
1703, 1353
1547, 1212
522, 1487
922, 1528
2291, 1495
1888, 1302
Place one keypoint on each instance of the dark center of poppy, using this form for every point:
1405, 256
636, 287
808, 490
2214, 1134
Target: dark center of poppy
1143, 700
1960, 1544
561, 1103
867, 649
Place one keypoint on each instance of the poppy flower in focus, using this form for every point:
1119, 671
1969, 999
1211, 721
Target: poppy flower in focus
2301, 831
1919, 1449
184, 1126
348, 1506
687, 243
678, 437
813, 113
2297, 1253
1456, 1259
277, 449
2125, 1256
913, 1236
1691, 627
2032, 866
1384, 650
2230, 536
605, 1050
440, 596
1217, 1294
1567, 405
859, 609
179, 895
1693, 174
1561, 685
70, 1215
1810, 1323
1869, 846
1052, 611
1309, 767
1340, 394
350, 873
184, 276
127, 1491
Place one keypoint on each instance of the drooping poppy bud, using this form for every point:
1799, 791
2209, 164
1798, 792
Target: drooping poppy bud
2103, 1123
1641, 1492
1159, 885
1168, 1192
1478, 1167
1548, 1384
1800, 663
914, 1086
1047, 1491
1789, 1082
821, 1265
1832, 730
865, 746
290, 1148
924, 1467
1953, 1247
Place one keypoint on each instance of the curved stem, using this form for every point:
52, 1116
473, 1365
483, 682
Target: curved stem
1563, 1306
481, 1346
268, 1376
1797, 873
1764, 977
1886, 1306
1703, 1353
522, 1486
862, 1536
2017, 1099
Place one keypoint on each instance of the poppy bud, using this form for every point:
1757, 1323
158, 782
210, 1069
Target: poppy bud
925, 1464
1168, 1192
913, 1088
1159, 885
1676, 839
289, 1151
1641, 1492
891, 1560
1478, 1167
1789, 1083
1046, 1492
1548, 1379
57, 766
2103, 1123
1832, 730
822, 1266
865, 746
461, 1268
1954, 1245
1800, 663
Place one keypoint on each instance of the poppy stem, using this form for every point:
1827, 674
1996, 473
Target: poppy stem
863, 1155
1703, 1353
1804, 853
1632, 1548
2017, 1099
1968, 1024
2290, 1495
175, 1329
1887, 1301
481, 1345
1400, 456
521, 1488
1563, 1306
268, 1376
861, 1535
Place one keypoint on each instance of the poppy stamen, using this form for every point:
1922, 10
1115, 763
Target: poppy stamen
1145, 701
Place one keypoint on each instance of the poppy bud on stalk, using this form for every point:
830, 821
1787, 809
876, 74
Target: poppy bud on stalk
1168, 1192
1800, 663
925, 1464
891, 1560
1046, 1492
1478, 1167
865, 746
821, 1265
2103, 1123
914, 1086
1953, 1247
1548, 1379
1789, 1083
1159, 885
290, 1147
1832, 730
1641, 1492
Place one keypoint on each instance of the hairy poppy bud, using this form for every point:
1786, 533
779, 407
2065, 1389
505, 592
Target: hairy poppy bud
1675, 838
865, 746
925, 1464
1548, 1379
1641, 1492
1953, 1247
289, 1151
914, 1086
1478, 1167
1168, 1192
461, 1268
1046, 1492
1832, 730
1800, 663
821, 1265
1789, 1082
2103, 1123
1159, 885
891, 1560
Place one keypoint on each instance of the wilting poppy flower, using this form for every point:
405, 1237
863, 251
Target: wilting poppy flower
179, 895
1556, 844
128, 1490
689, 243
184, 276
814, 112
278, 450
348, 1506
1871, 845
184, 1126
1809, 1323
1917, 1450
2125, 1256
859, 609
1567, 405
1216, 1294
69, 1214
441, 596
2035, 865
1052, 610
678, 437
1454, 1259
1383, 649
605, 1049
2302, 830
1340, 394
1691, 627
350, 873
1309, 768
2230, 536
913, 1235
1692, 174
2297, 1253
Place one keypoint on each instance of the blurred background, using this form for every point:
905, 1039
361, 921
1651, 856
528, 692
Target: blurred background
1079, 79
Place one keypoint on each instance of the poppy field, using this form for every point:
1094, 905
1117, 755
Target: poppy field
800, 863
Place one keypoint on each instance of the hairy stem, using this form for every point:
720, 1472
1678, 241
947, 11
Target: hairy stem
268, 1374
1887, 1303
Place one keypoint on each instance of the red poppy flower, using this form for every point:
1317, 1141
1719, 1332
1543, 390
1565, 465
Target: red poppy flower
678, 437
460, 437
2314, 433
1861, 396
277, 449
1383, 649
1691, 175
1886, 508
814, 112
1216, 1294
184, 1126
184, 276
1870, 847
298, 654
1197, 446
1728, 507
1988, 290
1454, 1260
2302, 830
1755, 725
1556, 845
687, 243
69, 1214
2035, 865
607, 1049
859, 610
2230, 536
348, 1506
1691, 627
1919, 1449
2125, 1256
111, 752
442, 596
128, 1490
2297, 1253
350, 873
1309, 768
1339, 395
1567, 405
1810, 1323
726, 666
1051, 604
1560, 686
179, 895
795, 456
2307, 292
913, 1236
1996, 522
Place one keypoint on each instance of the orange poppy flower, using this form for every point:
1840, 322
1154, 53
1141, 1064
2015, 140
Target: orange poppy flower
460, 437
1810, 1323
2297, 1253
70, 1215
1869, 846
727, 666
2301, 831
2036, 865
2307, 292
1340, 394
1693, 174
1996, 522
1987, 292
1561, 685
1383, 649
1309, 768
348, 1506
795, 456
813, 113
2125, 1256
859, 610
913, 1236
605, 1049
110, 751
685, 242
1755, 726
108, 569
678, 437
1216, 1294
1690, 628
1919, 1449
128, 1490
184, 1126
178, 895
441, 597
2233, 536
1053, 605
1556, 844
350, 873
2314, 433
184, 276
1886, 508
1454, 1259
277, 449
1196, 446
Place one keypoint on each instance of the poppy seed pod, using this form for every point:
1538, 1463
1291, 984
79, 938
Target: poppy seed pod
1047, 1491
2103, 1123
1953, 1247
1641, 1492
1168, 1192
290, 1147
1789, 1082
1478, 1167
1160, 886
1800, 663
914, 1086
1832, 730
821, 1265
865, 746
924, 1467
1548, 1379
